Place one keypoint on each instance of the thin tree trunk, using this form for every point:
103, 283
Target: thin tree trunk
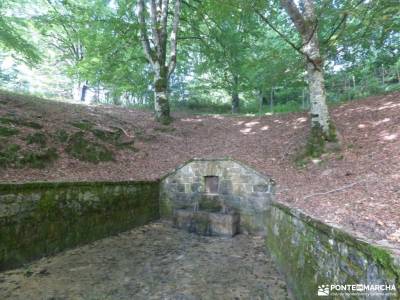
235, 95
271, 100
261, 101
83, 92
235, 102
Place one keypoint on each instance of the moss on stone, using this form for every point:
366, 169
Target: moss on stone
386, 261
318, 143
85, 150
316, 253
67, 215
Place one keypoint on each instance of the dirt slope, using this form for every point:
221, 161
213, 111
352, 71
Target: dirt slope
358, 188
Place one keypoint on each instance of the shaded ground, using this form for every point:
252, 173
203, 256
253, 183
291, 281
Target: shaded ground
155, 261
358, 188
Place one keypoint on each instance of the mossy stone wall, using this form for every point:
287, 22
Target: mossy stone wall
38, 219
311, 253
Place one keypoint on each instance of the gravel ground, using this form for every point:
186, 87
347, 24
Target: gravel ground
155, 261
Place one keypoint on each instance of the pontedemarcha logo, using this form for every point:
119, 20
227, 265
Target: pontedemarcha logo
323, 290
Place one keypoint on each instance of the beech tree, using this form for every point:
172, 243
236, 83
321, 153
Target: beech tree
155, 49
306, 23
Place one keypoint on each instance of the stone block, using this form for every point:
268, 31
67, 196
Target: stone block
263, 188
205, 223
211, 203
225, 187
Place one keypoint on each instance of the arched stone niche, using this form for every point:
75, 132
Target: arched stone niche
238, 187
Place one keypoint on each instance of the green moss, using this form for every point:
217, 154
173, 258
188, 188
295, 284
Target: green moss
318, 143
210, 204
9, 155
85, 150
37, 138
39, 159
164, 129
83, 124
8, 131
21, 122
386, 261
61, 135
66, 215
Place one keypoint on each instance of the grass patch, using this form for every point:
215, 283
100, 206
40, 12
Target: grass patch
8, 131
37, 138
9, 156
61, 135
83, 124
20, 122
39, 159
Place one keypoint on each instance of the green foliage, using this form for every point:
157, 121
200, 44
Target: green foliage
224, 48
86, 150
13, 32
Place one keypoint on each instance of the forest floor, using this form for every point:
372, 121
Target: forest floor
357, 188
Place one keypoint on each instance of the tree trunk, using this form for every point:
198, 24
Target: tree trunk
235, 95
306, 23
156, 52
318, 108
83, 92
271, 101
161, 103
235, 102
261, 99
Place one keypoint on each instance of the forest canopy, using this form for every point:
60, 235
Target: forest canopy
215, 56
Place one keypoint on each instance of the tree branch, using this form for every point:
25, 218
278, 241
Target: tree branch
143, 32
154, 27
174, 33
335, 190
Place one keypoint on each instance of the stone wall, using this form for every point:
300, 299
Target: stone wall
38, 219
240, 188
311, 253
